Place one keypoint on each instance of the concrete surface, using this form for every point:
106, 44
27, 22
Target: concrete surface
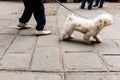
24, 56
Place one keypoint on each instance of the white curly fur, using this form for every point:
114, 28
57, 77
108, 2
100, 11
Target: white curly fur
89, 27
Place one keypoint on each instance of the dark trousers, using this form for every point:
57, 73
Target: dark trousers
35, 7
90, 2
100, 4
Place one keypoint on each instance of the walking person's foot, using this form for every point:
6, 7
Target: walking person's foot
42, 32
89, 8
23, 25
81, 7
100, 7
95, 5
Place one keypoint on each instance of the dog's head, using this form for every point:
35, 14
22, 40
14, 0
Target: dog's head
105, 20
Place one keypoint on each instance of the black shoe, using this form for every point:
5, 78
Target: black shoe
82, 7
100, 7
89, 8
95, 5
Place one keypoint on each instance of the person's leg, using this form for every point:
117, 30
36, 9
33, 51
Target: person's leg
101, 3
83, 4
27, 13
90, 4
39, 14
96, 3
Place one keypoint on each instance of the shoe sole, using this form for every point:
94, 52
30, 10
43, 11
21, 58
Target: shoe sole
42, 34
23, 27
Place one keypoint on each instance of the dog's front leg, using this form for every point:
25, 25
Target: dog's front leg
87, 37
70, 35
65, 36
97, 38
62, 36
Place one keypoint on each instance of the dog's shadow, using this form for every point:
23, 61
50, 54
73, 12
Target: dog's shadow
79, 41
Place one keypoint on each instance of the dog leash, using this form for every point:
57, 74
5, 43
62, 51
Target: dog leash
68, 9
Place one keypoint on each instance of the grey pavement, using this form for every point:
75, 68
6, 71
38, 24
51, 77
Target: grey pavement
24, 56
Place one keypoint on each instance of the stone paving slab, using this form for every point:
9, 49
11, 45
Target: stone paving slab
111, 32
1, 27
86, 77
118, 43
52, 24
9, 32
2, 51
13, 25
22, 44
108, 47
113, 62
46, 59
114, 10
93, 76
27, 32
49, 40
60, 22
84, 61
30, 76
15, 61
8, 17
5, 41
4, 22
9, 12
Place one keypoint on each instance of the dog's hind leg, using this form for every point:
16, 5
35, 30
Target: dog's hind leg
97, 38
87, 37
70, 36
66, 35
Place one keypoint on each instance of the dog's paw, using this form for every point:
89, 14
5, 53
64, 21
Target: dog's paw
61, 38
72, 36
69, 37
99, 40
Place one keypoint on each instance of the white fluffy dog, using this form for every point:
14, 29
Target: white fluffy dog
89, 27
